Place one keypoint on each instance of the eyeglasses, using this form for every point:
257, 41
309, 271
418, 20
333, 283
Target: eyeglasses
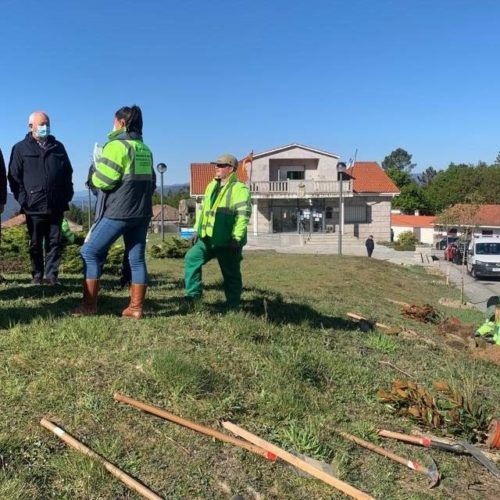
223, 165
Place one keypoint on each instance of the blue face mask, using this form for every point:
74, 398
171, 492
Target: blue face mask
43, 131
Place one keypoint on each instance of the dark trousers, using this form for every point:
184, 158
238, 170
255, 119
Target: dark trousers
45, 235
370, 251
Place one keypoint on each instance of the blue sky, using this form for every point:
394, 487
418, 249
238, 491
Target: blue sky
216, 76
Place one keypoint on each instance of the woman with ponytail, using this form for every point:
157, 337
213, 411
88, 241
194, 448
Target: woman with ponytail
125, 180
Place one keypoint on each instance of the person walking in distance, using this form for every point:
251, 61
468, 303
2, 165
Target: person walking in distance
370, 245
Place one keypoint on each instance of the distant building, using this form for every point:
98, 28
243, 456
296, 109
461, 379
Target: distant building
171, 219
483, 220
19, 220
295, 191
187, 212
422, 226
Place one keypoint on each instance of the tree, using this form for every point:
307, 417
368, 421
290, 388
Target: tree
497, 159
399, 177
412, 197
172, 197
426, 177
461, 183
400, 160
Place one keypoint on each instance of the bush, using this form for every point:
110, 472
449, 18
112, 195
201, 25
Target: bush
15, 253
172, 248
406, 241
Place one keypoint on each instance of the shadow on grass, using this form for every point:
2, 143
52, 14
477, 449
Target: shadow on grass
272, 307
264, 304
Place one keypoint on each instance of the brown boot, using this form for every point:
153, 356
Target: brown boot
137, 295
89, 303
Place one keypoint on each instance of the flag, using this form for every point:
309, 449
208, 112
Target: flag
243, 164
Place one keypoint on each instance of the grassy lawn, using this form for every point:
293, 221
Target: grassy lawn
290, 367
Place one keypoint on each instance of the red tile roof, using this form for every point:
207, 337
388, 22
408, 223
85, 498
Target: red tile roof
368, 177
15, 221
486, 215
413, 220
203, 173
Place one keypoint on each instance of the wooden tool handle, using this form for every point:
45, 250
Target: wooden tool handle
297, 462
404, 437
376, 449
192, 425
132, 483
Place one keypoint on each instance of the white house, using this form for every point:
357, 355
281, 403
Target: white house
422, 226
295, 190
484, 222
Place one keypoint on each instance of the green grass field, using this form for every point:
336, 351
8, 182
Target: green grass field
290, 367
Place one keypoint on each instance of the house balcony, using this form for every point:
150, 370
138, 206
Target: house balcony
300, 189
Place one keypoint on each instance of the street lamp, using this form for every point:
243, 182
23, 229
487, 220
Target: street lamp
341, 169
162, 168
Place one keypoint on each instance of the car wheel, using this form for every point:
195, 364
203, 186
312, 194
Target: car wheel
473, 273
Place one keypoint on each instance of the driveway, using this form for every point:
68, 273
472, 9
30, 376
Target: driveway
476, 291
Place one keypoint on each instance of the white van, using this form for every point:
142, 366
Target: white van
483, 257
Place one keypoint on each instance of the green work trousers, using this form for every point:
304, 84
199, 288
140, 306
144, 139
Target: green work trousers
229, 262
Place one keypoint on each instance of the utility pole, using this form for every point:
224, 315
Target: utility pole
162, 168
341, 168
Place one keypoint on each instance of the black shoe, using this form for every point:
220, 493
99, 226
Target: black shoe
36, 280
53, 281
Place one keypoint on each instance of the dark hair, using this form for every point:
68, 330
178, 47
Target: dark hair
132, 117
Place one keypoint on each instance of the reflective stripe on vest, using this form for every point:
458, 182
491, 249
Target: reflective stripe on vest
207, 224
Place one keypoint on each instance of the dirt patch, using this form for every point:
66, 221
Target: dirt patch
488, 353
454, 303
425, 313
453, 326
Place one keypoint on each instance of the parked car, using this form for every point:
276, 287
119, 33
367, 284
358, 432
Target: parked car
444, 242
484, 257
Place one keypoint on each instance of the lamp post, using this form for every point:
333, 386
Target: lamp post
162, 168
341, 168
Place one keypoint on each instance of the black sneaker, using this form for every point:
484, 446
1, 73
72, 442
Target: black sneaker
36, 280
52, 281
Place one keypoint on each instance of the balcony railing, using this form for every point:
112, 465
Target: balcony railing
299, 188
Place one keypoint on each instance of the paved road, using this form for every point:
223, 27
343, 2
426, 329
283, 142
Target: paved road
477, 291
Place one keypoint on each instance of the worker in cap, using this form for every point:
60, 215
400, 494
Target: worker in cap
220, 231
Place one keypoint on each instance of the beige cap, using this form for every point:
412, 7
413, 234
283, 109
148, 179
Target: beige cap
226, 159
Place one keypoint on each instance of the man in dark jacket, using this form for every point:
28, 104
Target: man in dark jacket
370, 245
40, 177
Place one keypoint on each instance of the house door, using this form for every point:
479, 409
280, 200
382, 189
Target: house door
284, 219
312, 220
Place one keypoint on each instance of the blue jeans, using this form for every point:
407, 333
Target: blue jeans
104, 234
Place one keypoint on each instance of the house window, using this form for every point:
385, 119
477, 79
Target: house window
329, 213
355, 214
295, 175
295, 172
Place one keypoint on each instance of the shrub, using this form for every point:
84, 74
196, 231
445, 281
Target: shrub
172, 248
406, 241
15, 253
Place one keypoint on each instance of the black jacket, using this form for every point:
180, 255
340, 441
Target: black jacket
41, 179
369, 244
3, 181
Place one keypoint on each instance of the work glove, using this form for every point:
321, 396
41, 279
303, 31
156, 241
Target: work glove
234, 246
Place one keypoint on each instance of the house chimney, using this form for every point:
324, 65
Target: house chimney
417, 212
